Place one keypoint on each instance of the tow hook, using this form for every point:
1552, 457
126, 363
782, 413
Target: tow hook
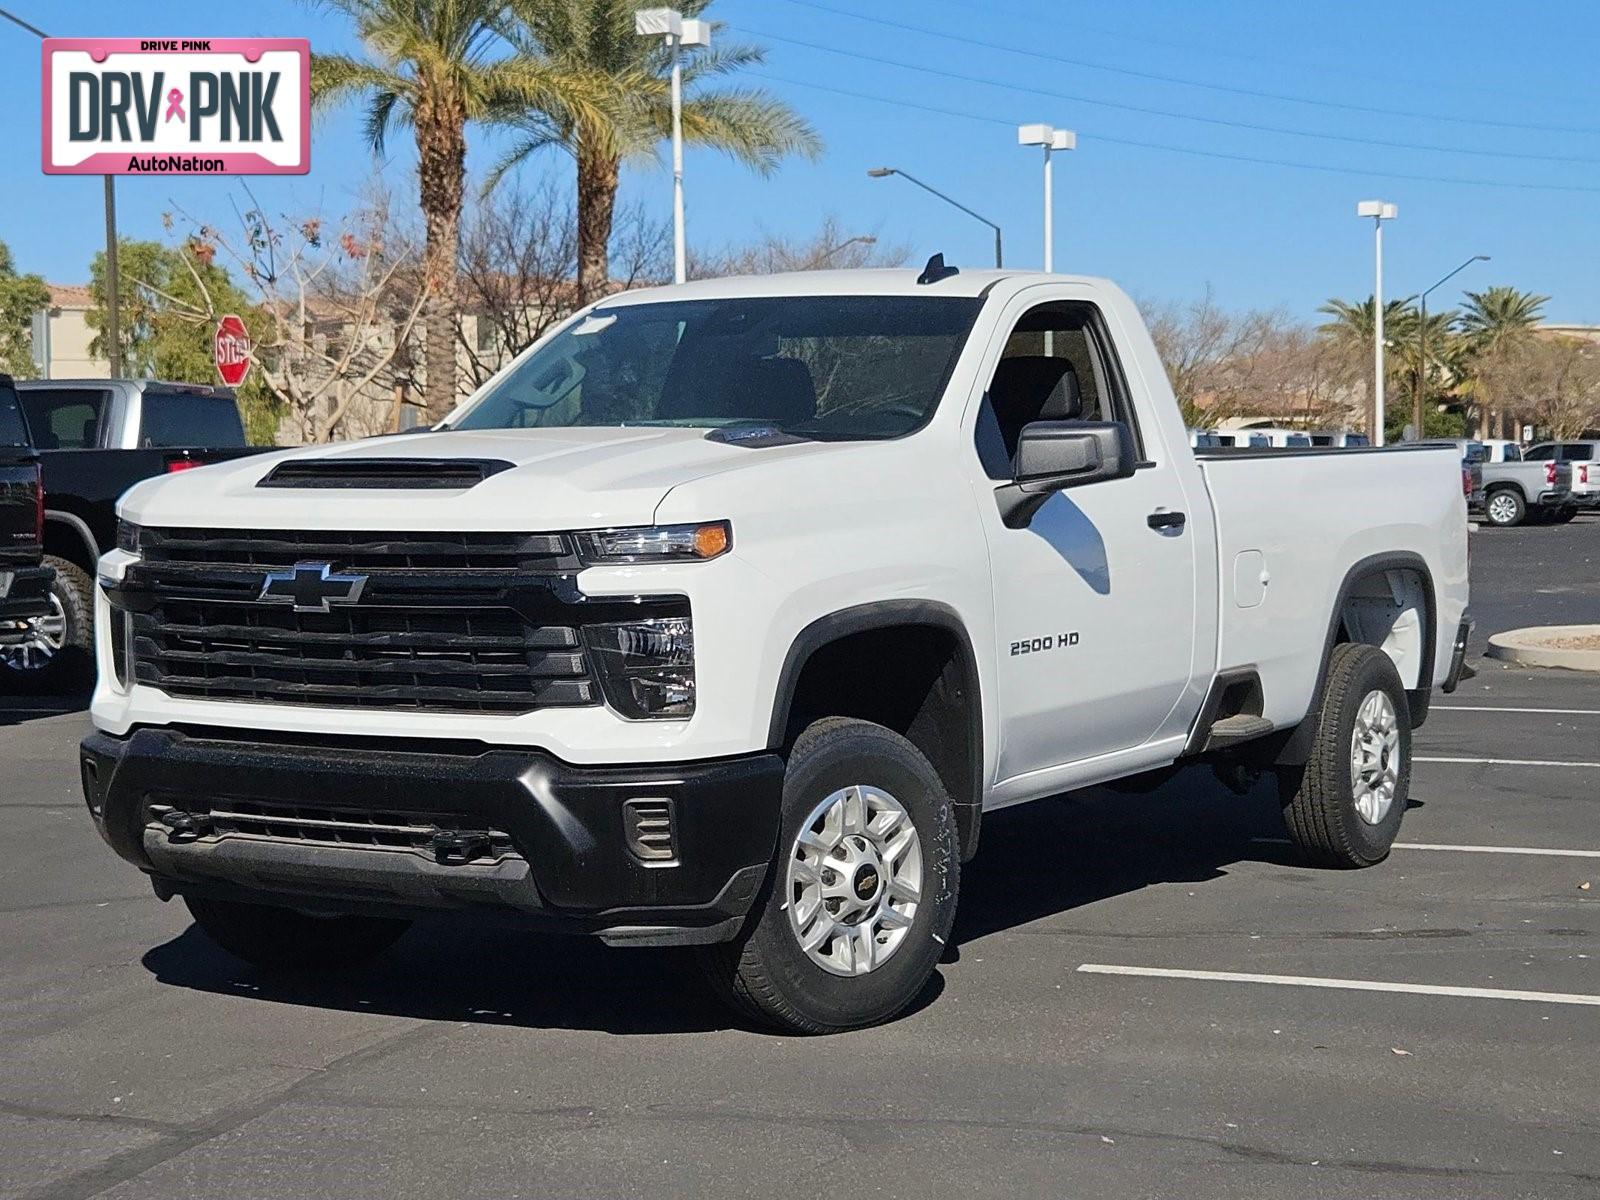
185, 827
453, 847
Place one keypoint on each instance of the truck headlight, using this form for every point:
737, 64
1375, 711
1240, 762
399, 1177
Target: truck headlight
127, 537
657, 543
646, 668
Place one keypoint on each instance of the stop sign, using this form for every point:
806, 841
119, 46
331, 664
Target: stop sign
232, 350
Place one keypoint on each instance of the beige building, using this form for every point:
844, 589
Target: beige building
65, 353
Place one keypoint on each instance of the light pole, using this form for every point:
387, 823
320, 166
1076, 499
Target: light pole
1051, 139
113, 281
670, 24
885, 172
1422, 344
1379, 211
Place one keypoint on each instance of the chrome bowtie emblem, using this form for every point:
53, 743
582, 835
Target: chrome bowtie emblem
311, 587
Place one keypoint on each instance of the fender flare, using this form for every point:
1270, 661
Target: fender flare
887, 614
81, 528
1297, 749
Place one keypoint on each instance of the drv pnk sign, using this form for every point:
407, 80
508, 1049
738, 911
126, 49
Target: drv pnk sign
170, 106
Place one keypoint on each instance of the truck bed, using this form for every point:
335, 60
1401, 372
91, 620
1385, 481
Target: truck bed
1302, 518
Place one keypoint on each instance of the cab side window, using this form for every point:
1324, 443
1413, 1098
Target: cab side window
1056, 366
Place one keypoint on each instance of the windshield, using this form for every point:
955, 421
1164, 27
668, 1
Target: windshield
826, 367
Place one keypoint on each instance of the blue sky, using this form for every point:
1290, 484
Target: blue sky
1427, 74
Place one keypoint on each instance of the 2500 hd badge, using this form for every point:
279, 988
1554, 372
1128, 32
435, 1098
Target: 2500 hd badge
1050, 641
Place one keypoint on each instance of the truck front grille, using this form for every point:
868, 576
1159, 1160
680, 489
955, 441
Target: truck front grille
449, 622
469, 659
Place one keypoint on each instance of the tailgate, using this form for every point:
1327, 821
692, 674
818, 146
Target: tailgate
20, 510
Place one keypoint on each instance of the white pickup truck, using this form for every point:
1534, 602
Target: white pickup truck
724, 614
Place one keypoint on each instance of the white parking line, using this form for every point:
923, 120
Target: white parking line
1555, 712
1507, 762
1538, 851
1351, 985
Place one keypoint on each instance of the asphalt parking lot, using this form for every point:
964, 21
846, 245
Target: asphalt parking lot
139, 1061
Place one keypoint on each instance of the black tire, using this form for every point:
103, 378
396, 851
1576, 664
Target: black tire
1319, 803
1508, 503
71, 667
764, 973
285, 939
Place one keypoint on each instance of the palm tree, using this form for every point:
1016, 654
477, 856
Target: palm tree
596, 37
1500, 316
1353, 328
435, 65
1495, 323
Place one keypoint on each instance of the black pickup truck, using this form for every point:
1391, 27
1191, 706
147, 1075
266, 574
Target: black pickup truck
24, 580
95, 439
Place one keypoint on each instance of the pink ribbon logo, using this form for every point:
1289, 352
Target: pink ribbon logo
174, 106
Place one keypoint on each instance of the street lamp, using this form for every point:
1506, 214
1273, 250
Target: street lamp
1422, 344
1379, 211
1051, 139
885, 172
670, 24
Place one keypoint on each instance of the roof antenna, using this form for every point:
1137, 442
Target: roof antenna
936, 270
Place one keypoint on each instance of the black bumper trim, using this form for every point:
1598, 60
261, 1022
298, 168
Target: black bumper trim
571, 868
29, 593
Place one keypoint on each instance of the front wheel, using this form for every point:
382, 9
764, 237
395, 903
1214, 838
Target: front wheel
287, 939
1343, 808
1505, 508
859, 902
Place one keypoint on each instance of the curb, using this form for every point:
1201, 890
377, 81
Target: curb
1531, 648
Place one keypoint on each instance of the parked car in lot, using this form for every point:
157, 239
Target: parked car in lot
24, 579
96, 438
1513, 489
723, 615
1583, 456
1345, 440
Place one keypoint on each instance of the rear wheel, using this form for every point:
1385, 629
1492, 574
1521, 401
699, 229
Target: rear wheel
58, 654
860, 899
1343, 809
287, 939
1505, 508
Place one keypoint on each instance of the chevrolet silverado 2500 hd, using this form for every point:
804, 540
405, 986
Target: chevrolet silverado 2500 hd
723, 614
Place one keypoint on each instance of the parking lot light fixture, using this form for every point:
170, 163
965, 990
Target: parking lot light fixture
679, 32
1380, 211
1422, 343
885, 172
1051, 139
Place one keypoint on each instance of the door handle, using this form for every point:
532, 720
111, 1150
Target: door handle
1166, 520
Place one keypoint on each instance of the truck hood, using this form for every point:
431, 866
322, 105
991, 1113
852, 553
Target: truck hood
559, 479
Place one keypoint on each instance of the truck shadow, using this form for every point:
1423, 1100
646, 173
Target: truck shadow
1036, 861
18, 710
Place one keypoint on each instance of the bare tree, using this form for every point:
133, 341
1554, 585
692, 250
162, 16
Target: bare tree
518, 270
830, 247
1554, 381
337, 307
1257, 363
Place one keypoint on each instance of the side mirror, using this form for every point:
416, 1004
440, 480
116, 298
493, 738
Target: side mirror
1052, 455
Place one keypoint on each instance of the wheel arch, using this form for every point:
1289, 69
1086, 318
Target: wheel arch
936, 704
1297, 747
68, 536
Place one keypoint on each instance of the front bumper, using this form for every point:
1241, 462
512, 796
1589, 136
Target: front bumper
24, 594
318, 823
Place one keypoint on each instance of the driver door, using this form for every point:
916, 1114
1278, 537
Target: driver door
1095, 598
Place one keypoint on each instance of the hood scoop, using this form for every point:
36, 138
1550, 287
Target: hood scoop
401, 474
